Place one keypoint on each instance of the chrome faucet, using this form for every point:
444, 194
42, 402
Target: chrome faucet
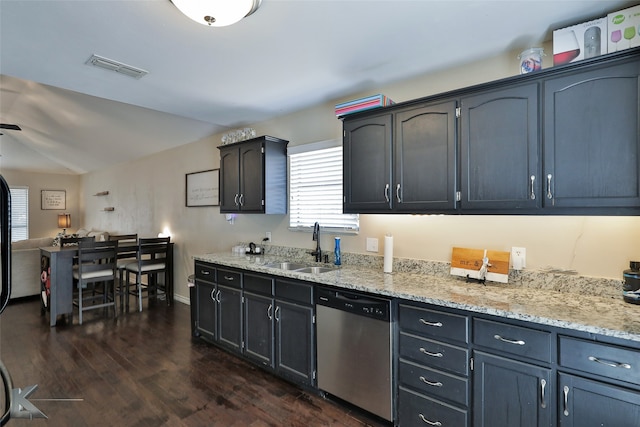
316, 238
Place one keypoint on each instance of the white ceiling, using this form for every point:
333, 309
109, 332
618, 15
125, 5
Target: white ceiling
289, 55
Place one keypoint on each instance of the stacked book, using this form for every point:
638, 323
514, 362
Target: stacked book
362, 104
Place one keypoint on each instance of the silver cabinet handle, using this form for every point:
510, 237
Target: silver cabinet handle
386, 193
241, 200
270, 312
218, 296
276, 314
213, 297
543, 385
565, 390
204, 272
235, 200
431, 423
532, 194
435, 324
229, 278
398, 197
610, 363
432, 384
549, 194
428, 353
518, 342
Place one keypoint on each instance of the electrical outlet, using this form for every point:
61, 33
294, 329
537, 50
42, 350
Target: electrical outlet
267, 236
518, 258
372, 244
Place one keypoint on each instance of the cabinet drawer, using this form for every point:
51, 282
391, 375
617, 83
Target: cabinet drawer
434, 353
415, 409
229, 278
511, 339
433, 323
600, 359
205, 272
294, 291
434, 382
258, 284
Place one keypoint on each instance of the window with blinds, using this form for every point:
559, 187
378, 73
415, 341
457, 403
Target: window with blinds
19, 213
315, 189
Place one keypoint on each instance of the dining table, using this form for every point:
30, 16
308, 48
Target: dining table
56, 279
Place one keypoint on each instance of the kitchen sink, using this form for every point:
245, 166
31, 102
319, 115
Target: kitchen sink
286, 265
314, 270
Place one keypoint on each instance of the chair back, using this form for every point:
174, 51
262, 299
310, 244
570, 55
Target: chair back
127, 247
74, 241
97, 260
153, 253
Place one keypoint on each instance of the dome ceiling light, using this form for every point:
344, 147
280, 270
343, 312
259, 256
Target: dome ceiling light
217, 13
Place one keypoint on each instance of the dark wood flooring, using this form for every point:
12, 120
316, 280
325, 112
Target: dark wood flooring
143, 369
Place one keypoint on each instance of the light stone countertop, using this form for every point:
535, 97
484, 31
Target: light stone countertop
569, 308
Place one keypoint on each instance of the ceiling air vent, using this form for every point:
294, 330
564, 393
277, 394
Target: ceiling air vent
118, 67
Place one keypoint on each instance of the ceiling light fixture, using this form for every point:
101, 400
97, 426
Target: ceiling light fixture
217, 13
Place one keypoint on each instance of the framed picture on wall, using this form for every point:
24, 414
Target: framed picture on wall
53, 199
203, 188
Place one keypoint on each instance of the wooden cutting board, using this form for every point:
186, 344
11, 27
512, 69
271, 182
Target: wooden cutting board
467, 262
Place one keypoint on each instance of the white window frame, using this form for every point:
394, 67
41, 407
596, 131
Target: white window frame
19, 213
327, 220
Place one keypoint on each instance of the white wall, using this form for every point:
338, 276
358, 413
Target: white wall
44, 223
148, 195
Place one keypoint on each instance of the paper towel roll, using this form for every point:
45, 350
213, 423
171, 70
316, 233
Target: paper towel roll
388, 253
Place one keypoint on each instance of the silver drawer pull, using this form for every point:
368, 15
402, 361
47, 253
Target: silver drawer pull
543, 385
610, 363
518, 342
204, 272
422, 350
431, 423
436, 324
229, 278
565, 391
427, 382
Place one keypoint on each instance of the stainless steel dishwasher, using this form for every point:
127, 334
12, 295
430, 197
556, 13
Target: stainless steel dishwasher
354, 349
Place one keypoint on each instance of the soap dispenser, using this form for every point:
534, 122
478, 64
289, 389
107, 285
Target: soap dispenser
337, 260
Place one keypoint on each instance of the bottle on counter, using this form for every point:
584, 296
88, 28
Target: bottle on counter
631, 285
338, 260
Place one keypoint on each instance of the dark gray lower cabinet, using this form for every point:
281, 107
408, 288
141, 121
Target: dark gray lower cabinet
588, 403
258, 321
509, 393
417, 409
206, 310
229, 317
294, 341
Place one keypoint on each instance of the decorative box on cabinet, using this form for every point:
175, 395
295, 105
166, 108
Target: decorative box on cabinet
253, 176
433, 367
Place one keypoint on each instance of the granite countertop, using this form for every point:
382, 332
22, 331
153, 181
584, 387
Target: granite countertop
569, 308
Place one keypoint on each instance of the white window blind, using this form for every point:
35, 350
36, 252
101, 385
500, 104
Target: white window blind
19, 213
315, 190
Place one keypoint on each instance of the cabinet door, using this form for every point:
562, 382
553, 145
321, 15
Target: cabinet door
499, 150
508, 393
229, 317
425, 159
367, 164
591, 138
586, 403
206, 310
229, 179
251, 178
295, 341
258, 325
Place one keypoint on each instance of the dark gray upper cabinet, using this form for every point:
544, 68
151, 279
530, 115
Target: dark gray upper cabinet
499, 149
253, 176
565, 140
401, 162
367, 164
591, 138
424, 158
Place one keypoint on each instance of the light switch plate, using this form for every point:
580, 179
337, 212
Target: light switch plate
518, 258
372, 244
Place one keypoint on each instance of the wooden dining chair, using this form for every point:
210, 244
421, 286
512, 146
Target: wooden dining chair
127, 251
96, 272
151, 262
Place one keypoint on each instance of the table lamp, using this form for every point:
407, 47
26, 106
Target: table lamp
64, 221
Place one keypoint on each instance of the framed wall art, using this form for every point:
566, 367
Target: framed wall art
53, 199
203, 188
